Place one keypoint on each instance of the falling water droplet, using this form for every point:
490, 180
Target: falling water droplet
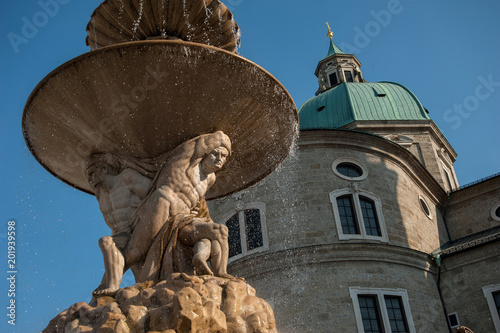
139, 18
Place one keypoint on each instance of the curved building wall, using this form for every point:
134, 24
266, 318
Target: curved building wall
308, 262
311, 288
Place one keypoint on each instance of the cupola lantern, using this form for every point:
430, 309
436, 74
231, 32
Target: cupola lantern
337, 67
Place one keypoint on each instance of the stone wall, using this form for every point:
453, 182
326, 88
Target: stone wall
463, 277
469, 210
429, 145
309, 287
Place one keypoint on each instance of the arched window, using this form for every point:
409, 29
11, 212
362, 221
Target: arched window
347, 215
358, 215
247, 231
370, 219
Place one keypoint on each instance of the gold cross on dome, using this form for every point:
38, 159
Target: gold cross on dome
330, 33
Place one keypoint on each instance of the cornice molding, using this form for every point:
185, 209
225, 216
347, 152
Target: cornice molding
354, 252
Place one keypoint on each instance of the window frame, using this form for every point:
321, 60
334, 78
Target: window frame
240, 210
447, 167
330, 69
493, 212
350, 72
456, 316
336, 77
381, 293
448, 177
357, 163
359, 215
423, 202
488, 294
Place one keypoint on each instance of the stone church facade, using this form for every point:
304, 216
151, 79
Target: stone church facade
364, 228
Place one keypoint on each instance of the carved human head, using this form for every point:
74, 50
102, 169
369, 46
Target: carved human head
96, 167
215, 160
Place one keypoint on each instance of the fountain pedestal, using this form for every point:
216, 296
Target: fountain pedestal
181, 304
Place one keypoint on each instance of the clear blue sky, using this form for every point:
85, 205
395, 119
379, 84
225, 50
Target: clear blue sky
444, 51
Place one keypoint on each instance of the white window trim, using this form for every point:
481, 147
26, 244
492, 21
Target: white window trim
360, 165
488, 293
493, 210
240, 210
456, 316
380, 293
422, 199
359, 215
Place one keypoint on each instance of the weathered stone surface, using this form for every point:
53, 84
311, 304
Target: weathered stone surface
126, 293
216, 318
162, 296
236, 324
159, 318
103, 301
108, 322
71, 326
83, 329
121, 327
188, 311
181, 304
136, 318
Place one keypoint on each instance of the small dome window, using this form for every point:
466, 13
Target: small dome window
425, 207
379, 91
350, 169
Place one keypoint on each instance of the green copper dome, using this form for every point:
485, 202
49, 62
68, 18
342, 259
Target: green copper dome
350, 101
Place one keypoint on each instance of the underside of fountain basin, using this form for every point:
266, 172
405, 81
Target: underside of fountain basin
144, 98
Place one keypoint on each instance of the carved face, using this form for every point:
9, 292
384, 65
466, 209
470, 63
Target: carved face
215, 160
96, 174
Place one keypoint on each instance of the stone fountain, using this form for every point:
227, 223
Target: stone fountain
161, 115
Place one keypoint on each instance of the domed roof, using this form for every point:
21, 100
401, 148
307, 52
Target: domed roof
352, 101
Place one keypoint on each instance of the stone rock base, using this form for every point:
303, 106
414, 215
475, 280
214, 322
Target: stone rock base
181, 304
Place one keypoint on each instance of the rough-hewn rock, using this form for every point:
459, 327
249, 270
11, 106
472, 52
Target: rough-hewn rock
181, 304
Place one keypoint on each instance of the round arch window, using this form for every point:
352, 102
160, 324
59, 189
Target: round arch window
495, 212
425, 207
350, 169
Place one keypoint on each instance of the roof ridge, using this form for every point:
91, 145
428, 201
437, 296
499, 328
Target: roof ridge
468, 242
479, 181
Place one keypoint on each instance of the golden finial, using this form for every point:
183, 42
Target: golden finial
330, 33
